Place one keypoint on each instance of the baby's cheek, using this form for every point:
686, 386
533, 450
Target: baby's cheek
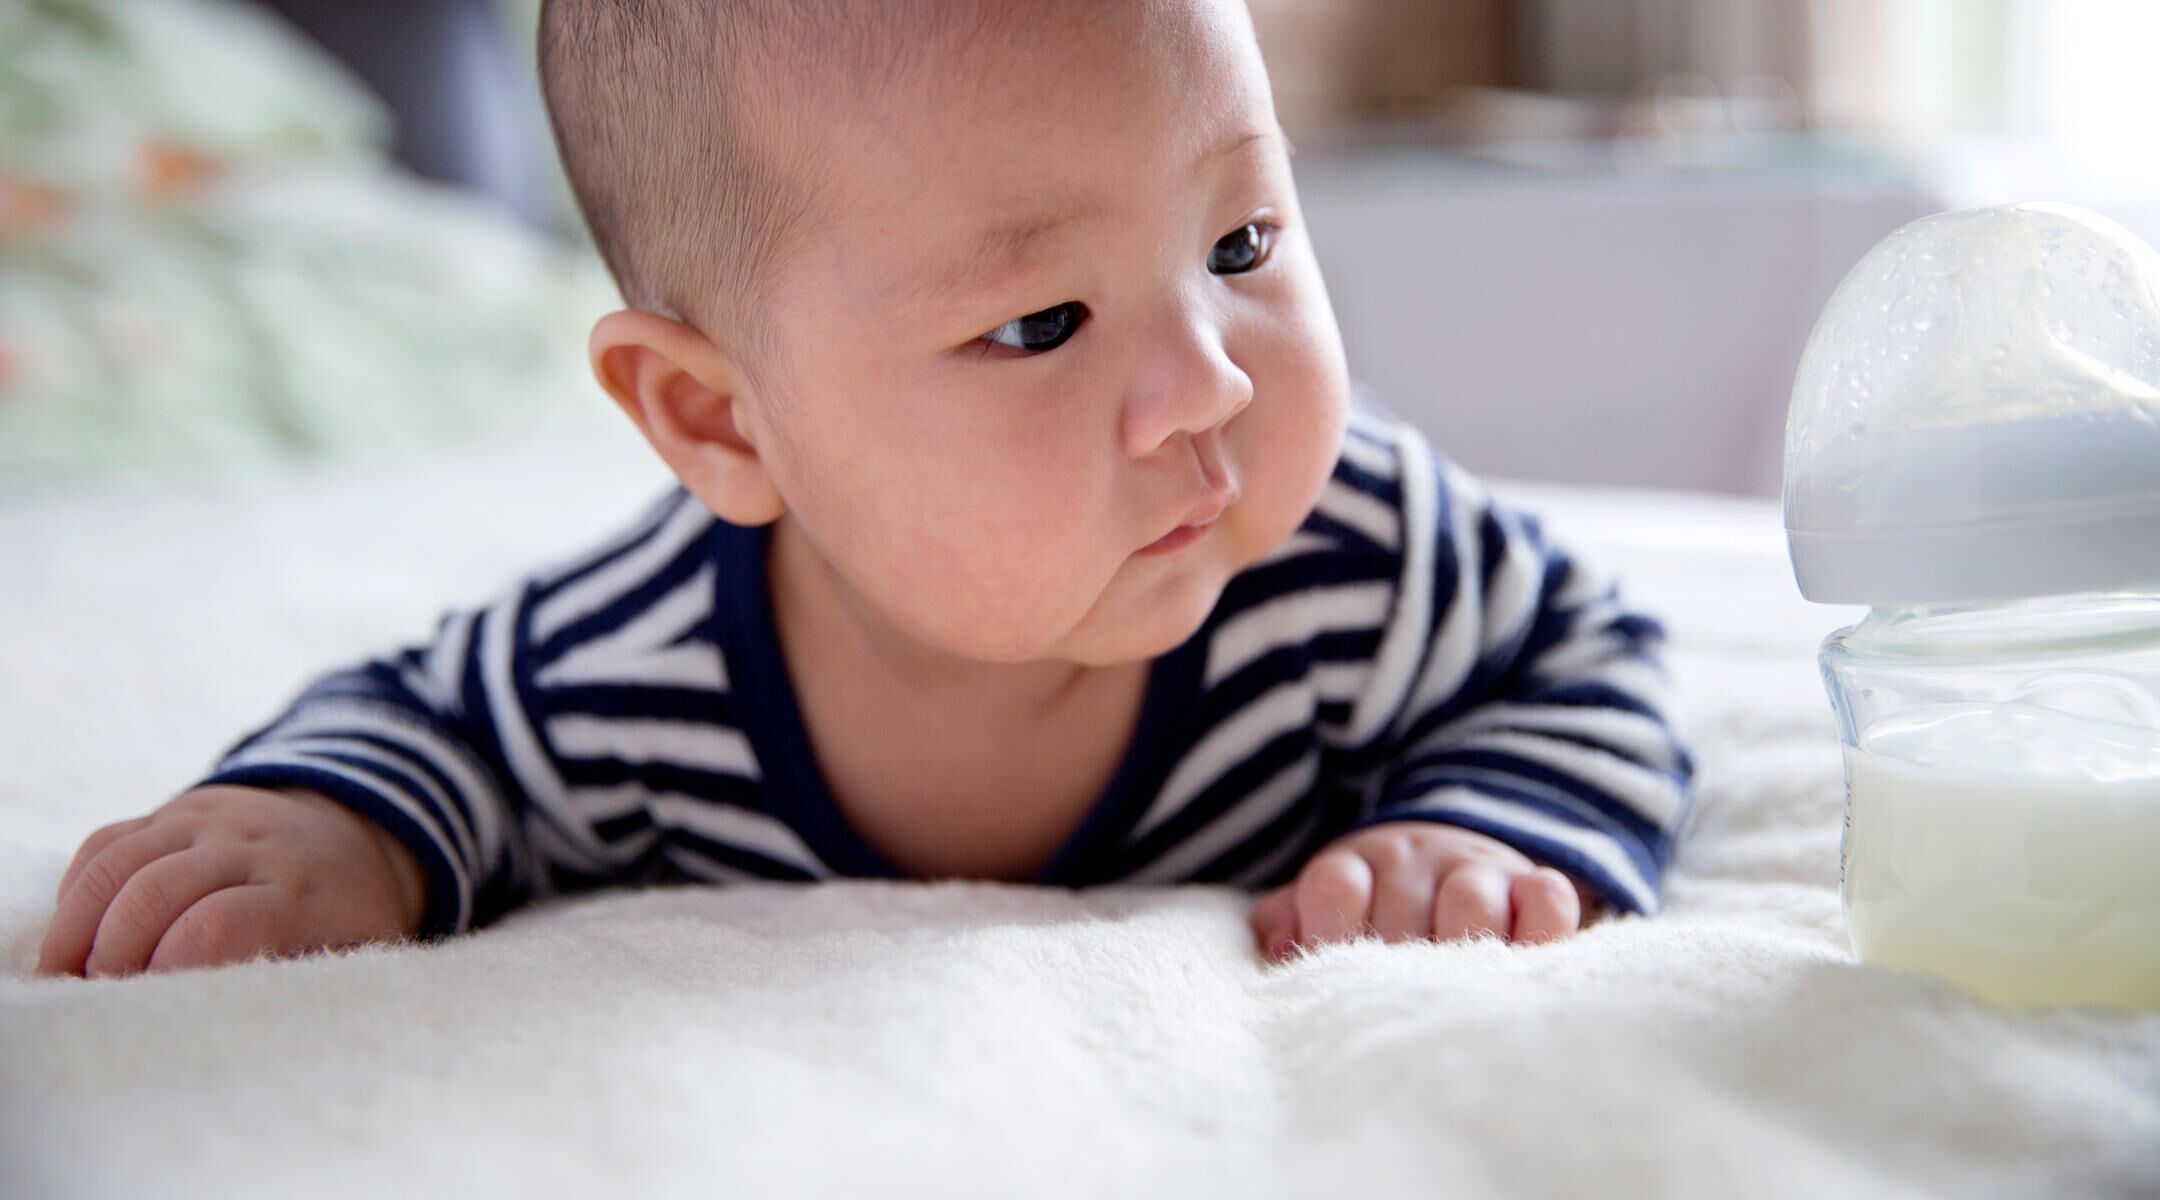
989, 584
1289, 451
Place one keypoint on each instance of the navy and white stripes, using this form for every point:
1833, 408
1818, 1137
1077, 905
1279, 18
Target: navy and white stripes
1415, 651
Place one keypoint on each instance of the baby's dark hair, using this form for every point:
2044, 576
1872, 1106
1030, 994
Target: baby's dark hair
684, 130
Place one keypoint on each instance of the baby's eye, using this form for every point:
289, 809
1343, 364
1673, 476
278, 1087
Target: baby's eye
1242, 249
1040, 331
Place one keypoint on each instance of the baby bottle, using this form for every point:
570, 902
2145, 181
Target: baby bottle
1973, 452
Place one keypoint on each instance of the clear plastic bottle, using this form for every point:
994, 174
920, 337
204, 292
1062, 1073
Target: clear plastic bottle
1974, 454
2002, 822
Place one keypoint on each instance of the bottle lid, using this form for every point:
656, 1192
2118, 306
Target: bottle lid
1977, 415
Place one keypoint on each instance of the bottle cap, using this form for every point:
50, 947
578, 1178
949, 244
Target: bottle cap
1977, 415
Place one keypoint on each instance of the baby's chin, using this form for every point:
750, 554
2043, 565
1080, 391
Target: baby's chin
1131, 629
1145, 611
1154, 606
1146, 607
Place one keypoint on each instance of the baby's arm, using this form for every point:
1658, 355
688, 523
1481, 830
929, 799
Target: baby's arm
221, 874
1536, 748
427, 801
396, 795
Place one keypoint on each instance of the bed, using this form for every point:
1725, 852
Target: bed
960, 1039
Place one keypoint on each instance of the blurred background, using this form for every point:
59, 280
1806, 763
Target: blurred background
1577, 240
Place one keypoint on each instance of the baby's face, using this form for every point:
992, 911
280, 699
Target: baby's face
1066, 305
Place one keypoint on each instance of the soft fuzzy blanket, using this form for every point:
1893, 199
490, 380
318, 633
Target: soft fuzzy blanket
956, 1039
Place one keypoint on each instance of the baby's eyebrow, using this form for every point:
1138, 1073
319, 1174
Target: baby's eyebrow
996, 248
1013, 239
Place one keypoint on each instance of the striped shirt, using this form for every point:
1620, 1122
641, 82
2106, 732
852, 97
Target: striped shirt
1414, 651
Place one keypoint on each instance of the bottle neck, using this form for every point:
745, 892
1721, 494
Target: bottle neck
2097, 620
2059, 603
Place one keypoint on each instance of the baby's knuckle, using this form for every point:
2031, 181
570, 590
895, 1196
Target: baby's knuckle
1546, 880
114, 832
1389, 852
100, 881
142, 907
1336, 882
1485, 850
1332, 866
242, 830
199, 800
1469, 843
1430, 831
1461, 893
217, 935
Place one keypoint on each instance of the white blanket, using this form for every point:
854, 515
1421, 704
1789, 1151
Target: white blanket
963, 1040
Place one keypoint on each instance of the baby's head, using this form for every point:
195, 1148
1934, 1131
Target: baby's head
986, 296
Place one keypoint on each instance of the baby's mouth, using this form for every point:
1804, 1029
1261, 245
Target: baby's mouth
1195, 525
1176, 539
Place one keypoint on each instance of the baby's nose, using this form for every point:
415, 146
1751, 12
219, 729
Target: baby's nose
1187, 385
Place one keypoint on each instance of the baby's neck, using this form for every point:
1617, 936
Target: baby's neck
814, 607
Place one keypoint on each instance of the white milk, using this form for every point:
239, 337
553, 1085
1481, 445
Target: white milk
2010, 849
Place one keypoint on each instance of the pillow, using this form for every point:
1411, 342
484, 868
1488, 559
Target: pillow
208, 259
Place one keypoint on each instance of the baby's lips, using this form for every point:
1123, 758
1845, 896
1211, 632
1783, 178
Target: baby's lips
1211, 506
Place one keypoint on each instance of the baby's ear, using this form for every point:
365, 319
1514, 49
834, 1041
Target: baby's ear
689, 398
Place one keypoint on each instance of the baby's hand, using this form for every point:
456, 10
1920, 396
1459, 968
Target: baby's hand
221, 874
1419, 879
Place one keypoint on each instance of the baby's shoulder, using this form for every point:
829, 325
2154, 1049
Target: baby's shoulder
644, 590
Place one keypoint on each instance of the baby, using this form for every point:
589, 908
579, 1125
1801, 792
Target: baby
1025, 532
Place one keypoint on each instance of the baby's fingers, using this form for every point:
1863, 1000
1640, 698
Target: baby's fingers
1473, 900
1403, 893
153, 900
1546, 906
228, 925
1274, 920
92, 846
1333, 897
92, 887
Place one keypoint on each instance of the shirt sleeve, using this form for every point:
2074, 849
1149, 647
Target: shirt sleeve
1540, 712
435, 742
